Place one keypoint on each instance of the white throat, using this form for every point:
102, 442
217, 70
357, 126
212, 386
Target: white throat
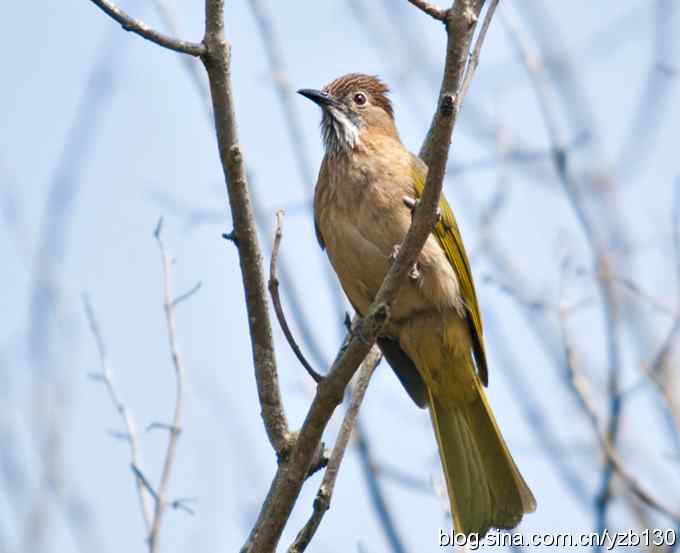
340, 132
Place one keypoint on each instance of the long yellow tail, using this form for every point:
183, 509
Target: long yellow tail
485, 487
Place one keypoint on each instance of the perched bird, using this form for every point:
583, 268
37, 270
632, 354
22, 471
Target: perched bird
367, 186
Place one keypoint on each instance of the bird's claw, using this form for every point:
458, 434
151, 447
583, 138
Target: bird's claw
414, 273
357, 329
412, 204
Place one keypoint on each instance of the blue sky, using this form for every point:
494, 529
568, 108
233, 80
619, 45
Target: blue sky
114, 127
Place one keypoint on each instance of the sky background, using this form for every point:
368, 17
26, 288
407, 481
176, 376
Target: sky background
102, 133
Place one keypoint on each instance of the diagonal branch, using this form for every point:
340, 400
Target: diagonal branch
142, 29
323, 497
297, 456
290, 476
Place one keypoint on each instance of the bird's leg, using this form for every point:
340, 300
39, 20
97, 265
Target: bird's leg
412, 204
356, 328
414, 273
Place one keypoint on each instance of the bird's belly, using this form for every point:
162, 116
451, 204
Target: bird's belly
357, 258
360, 244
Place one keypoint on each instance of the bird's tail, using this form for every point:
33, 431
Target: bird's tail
485, 487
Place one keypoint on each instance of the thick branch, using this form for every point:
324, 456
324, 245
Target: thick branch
217, 63
291, 475
142, 29
323, 497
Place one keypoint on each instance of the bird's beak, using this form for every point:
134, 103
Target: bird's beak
319, 97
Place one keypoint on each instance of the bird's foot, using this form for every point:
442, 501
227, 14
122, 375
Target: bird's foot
412, 204
414, 273
357, 329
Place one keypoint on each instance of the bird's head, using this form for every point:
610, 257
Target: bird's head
352, 105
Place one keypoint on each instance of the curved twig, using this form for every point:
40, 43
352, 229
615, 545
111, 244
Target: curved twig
276, 300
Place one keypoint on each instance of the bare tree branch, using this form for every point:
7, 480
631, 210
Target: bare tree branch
169, 305
106, 377
430, 9
142, 29
323, 497
276, 300
217, 63
474, 56
294, 467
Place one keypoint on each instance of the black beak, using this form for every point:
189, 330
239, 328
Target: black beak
319, 97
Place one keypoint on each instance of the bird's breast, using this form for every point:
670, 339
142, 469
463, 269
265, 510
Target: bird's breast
362, 217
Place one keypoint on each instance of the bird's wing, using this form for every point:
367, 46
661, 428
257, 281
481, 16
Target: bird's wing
449, 237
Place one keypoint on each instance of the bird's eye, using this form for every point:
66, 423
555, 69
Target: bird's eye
359, 99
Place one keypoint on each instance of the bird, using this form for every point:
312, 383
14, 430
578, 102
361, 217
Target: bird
367, 188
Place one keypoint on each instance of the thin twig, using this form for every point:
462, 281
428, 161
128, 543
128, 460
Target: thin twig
658, 371
175, 429
106, 376
430, 9
323, 497
276, 300
646, 297
579, 385
274, 48
476, 52
142, 29
183, 297
461, 23
660, 358
144, 481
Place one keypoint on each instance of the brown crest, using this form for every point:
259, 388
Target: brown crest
355, 82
